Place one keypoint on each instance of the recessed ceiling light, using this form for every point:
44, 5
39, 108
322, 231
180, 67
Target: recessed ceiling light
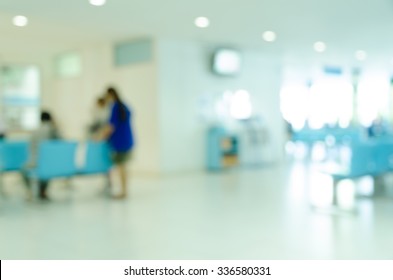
320, 47
360, 55
97, 2
269, 36
202, 22
20, 21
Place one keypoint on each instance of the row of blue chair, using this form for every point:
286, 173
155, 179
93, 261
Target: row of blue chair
372, 158
367, 158
339, 135
55, 158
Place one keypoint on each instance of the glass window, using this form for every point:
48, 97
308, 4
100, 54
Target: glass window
372, 99
331, 103
68, 65
20, 96
328, 101
294, 105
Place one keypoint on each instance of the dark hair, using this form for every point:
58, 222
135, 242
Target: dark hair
111, 91
101, 101
46, 116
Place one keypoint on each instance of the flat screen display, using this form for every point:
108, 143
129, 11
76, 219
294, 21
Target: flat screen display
226, 62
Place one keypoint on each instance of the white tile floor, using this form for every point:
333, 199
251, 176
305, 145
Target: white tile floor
246, 214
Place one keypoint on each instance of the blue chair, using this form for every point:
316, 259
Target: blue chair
56, 159
97, 159
13, 155
384, 156
363, 162
347, 136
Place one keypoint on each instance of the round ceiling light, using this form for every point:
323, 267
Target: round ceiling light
97, 2
320, 47
20, 21
202, 22
269, 36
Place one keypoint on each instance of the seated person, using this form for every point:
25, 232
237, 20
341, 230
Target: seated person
46, 131
377, 128
100, 117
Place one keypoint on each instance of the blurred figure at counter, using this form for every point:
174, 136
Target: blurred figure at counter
101, 113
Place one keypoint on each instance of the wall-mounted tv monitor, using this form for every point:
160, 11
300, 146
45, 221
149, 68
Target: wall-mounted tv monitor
226, 62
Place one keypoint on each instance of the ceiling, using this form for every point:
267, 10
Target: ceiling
345, 25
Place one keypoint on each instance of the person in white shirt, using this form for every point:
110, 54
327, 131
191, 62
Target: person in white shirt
46, 131
100, 117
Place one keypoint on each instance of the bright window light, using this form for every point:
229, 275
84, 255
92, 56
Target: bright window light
346, 193
97, 2
20, 21
269, 36
294, 105
373, 99
68, 65
330, 103
202, 22
240, 106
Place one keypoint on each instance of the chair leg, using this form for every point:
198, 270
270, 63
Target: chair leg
108, 183
29, 194
335, 201
335, 207
27, 182
32, 189
2, 193
379, 186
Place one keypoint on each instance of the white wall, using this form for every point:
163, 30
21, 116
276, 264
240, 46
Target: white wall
28, 59
184, 75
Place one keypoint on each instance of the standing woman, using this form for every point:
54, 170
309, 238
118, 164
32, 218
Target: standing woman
119, 135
